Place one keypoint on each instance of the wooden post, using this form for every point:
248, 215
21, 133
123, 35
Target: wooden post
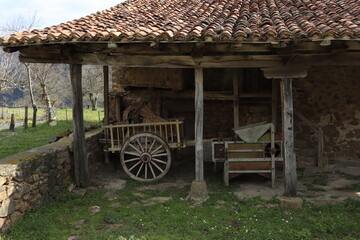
274, 103
34, 117
26, 117
199, 118
80, 159
288, 130
236, 98
106, 95
106, 105
12, 123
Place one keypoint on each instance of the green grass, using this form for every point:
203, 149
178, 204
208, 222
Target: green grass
25, 139
178, 219
61, 113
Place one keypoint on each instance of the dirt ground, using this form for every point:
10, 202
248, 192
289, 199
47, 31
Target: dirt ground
319, 186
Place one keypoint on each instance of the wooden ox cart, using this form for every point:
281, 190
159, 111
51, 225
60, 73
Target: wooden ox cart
144, 147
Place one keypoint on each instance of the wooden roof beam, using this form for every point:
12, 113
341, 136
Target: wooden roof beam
184, 61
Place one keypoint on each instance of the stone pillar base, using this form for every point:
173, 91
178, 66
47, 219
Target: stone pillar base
198, 192
290, 202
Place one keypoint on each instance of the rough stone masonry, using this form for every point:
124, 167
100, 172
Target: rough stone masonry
31, 178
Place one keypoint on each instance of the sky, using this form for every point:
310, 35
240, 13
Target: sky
51, 12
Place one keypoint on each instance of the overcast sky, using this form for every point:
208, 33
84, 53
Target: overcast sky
51, 12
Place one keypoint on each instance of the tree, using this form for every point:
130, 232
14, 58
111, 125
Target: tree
92, 84
42, 73
11, 72
32, 98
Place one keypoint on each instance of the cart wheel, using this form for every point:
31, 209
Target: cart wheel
145, 157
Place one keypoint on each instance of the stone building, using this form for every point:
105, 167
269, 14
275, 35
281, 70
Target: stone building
170, 53
327, 99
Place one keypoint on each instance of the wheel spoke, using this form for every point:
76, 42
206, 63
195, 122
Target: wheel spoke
160, 161
141, 147
135, 148
131, 160
156, 150
146, 144
145, 157
146, 170
134, 166
157, 166
152, 170
160, 155
138, 172
152, 144
132, 153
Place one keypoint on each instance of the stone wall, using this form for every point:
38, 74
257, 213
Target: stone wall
31, 178
329, 98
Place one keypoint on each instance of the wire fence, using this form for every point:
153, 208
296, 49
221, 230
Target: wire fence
61, 114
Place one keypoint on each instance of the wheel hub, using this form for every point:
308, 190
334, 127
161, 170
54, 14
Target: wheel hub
145, 158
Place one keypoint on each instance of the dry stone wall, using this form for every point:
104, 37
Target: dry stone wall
30, 178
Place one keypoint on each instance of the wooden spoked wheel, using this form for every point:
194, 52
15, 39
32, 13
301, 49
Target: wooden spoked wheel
145, 157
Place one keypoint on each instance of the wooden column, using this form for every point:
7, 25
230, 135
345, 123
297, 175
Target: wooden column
199, 122
106, 105
286, 74
288, 131
80, 159
106, 94
274, 101
236, 98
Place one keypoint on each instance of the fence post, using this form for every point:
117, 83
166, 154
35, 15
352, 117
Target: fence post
26, 117
12, 123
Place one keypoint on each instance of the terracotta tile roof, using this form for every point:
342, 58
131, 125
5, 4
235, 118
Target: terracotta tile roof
206, 20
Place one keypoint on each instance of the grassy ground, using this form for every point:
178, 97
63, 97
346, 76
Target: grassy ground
25, 139
223, 216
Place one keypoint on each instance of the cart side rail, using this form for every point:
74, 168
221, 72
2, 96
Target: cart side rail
171, 132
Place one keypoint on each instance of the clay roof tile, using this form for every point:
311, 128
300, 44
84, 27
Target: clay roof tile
209, 20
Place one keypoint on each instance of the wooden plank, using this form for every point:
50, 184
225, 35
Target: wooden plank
186, 61
157, 61
80, 159
288, 131
211, 95
236, 98
199, 123
186, 47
